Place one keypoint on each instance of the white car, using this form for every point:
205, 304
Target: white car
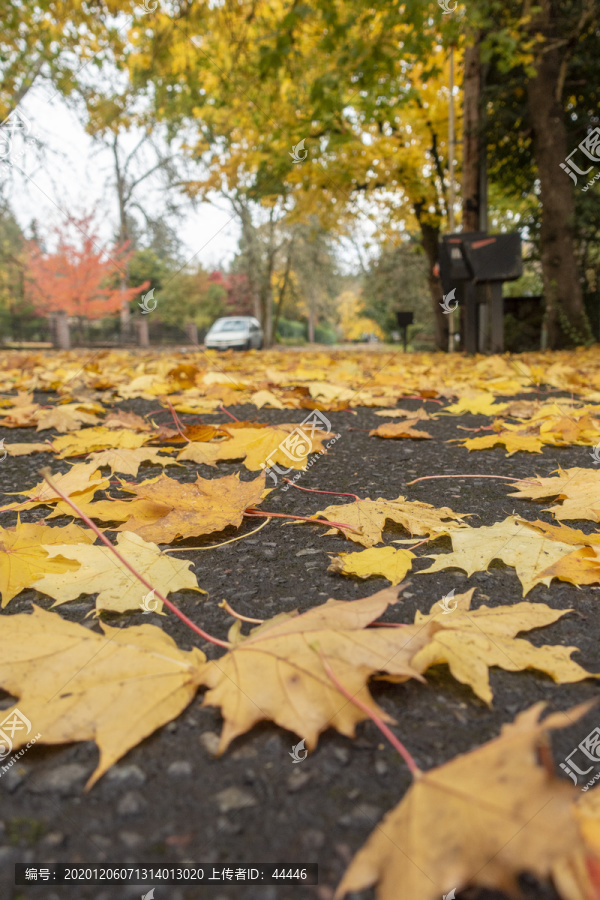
236, 332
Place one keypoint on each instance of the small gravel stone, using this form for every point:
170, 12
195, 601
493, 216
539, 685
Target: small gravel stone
210, 742
131, 839
308, 552
381, 767
53, 839
131, 804
6, 855
101, 841
234, 798
342, 754
122, 775
246, 752
362, 814
226, 826
15, 776
171, 727
181, 768
64, 779
312, 839
297, 780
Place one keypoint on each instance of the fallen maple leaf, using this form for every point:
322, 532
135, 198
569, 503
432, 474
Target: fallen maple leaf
26, 449
100, 572
127, 462
82, 478
470, 641
482, 818
101, 438
368, 517
513, 541
514, 441
277, 673
23, 559
76, 685
476, 404
578, 488
189, 510
67, 417
259, 446
400, 430
392, 564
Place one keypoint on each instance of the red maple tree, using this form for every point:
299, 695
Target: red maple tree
79, 277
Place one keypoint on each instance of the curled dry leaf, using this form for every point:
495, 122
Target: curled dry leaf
482, 818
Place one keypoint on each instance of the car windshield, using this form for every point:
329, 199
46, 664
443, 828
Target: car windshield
230, 325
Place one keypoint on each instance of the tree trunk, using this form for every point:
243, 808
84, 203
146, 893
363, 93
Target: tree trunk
471, 137
430, 236
566, 320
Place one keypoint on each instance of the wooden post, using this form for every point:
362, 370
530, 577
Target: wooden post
142, 330
62, 335
191, 332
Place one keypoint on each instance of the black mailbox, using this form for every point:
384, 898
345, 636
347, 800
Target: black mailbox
476, 264
404, 319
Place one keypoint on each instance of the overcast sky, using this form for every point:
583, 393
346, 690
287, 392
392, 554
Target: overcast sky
73, 175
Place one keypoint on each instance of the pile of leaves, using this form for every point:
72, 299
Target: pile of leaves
311, 671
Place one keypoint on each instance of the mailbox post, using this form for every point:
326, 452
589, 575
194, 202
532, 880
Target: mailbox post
476, 264
404, 320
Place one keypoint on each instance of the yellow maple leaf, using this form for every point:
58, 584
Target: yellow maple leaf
101, 572
74, 684
472, 640
368, 517
277, 671
23, 559
189, 510
482, 818
513, 541
392, 564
